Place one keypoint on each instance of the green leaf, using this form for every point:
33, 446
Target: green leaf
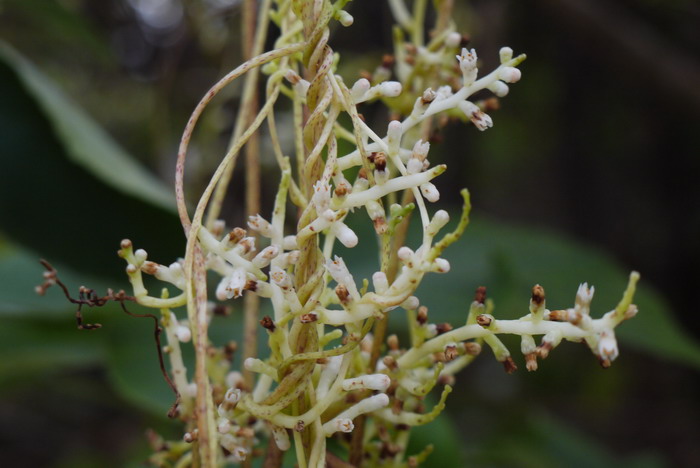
66, 189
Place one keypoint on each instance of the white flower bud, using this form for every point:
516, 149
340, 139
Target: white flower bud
239, 454
430, 330
281, 438
414, 166
289, 243
263, 259
499, 88
183, 333
506, 54
390, 88
359, 89
607, 346
440, 219
430, 192
340, 422
259, 224
345, 18
367, 382
527, 344
509, 74
453, 39
140, 256
224, 426
405, 254
344, 234
380, 282
411, 303
440, 265
302, 87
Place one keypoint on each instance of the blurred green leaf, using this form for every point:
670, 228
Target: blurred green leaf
542, 441
448, 448
66, 189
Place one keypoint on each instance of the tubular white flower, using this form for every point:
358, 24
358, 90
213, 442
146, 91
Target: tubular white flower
411, 303
359, 89
480, 119
506, 54
509, 74
281, 437
380, 282
340, 273
344, 234
261, 225
421, 149
439, 220
414, 166
265, 256
367, 405
393, 136
440, 265
607, 346
321, 197
467, 63
378, 382
430, 192
499, 88
390, 88
280, 278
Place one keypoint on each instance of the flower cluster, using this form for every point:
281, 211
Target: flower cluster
330, 358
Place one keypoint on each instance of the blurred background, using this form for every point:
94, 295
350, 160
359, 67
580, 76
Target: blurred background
590, 171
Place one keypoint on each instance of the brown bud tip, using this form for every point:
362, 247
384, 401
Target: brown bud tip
480, 295
221, 310
558, 315
397, 406
443, 328
190, 437
491, 104
422, 315
544, 349
390, 362
605, 363
267, 323
251, 285
379, 161
531, 361
451, 353
125, 244
509, 365
393, 342
342, 292
362, 173
149, 267
538, 295
308, 318
366, 75
465, 40
446, 379
299, 426
388, 61
236, 235
472, 349
483, 320
341, 190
